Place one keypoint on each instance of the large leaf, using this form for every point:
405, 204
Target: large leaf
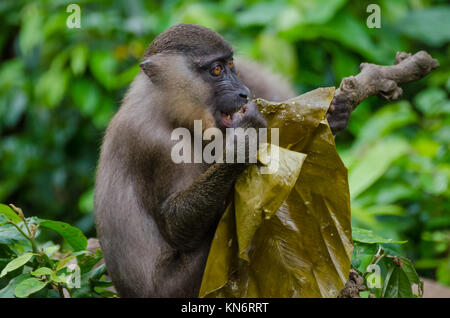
385, 120
277, 53
10, 235
307, 12
16, 263
433, 102
29, 286
8, 290
9, 213
363, 255
343, 28
366, 236
397, 284
71, 234
374, 162
42, 271
88, 281
286, 234
430, 25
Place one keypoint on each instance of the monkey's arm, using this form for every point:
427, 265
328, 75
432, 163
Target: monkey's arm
186, 217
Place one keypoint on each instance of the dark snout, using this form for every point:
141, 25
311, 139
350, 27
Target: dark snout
243, 92
231, 96
240, 89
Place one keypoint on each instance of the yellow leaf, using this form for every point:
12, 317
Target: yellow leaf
288, 233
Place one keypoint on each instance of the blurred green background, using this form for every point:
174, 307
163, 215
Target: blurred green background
59, 87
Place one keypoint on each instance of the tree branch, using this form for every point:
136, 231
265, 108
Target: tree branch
384, 80
377, 80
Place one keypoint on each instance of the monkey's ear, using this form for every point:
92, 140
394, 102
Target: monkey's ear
149, 67
153, 66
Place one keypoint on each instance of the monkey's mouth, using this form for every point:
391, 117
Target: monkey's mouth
227, 118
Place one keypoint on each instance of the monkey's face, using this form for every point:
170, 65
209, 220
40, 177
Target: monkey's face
193, 69
228, 93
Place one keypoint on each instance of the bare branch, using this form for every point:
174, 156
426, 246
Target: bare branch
384, 80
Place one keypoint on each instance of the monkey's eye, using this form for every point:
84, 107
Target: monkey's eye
231, 64
217, 70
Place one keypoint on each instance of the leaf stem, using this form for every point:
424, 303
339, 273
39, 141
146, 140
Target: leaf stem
29, 238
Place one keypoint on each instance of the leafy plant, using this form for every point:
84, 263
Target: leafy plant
34, 269
386, 274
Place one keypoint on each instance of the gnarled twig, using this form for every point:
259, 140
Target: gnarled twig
384, 80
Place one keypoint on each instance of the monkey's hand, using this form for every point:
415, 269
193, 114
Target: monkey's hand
247, 134
249, 117
339, 114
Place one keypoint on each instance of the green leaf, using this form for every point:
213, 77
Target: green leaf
9, 214
51, 250
366, 236
362, 255
277, 53
306, 12
433, 102
62, 263
71, 234
430, 25
320, 11
86, 95
79, 56
443, 271
261, 13
88, 260
31, 31
51, 87
388, 209
16, 263
3, 219
103, 66
105, 292
343, 28
86, 201
374, 163
364, 294
42, 271
58, 278
397, 284
28, 287
386, 120
410, 271
205, 14
88, 282
10, 235
8, 290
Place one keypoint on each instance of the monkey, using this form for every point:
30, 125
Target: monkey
155, 219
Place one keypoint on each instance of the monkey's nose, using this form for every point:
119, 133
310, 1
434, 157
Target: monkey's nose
244, 93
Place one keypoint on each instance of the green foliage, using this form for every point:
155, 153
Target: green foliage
31, 268
59, 88
386, 275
